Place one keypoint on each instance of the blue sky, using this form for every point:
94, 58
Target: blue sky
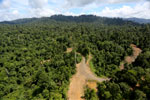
14, 9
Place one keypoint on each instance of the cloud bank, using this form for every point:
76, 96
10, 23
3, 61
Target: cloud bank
139, 11
82, 3
37, 3
14, 9
5, 4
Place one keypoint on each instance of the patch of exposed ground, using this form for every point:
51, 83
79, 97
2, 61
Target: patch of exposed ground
92, 85
132, 58
69, 50
85, 76
44, 61
76, 88
79, 80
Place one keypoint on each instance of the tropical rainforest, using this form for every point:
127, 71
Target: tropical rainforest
34, 64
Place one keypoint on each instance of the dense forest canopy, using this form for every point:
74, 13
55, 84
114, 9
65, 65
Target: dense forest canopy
34, 63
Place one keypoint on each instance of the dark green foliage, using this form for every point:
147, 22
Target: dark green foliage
23, 73
133, 84
90, 94
78, 58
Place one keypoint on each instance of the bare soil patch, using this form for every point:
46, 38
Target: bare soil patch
44, 61
77, 83
92, 85
137, 85
69, 50
79, 80
132, 58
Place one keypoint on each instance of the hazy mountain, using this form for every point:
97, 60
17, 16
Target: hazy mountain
77, 19
139, 20
19, 21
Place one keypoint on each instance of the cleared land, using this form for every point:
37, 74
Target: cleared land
84, 74
69, 50
132, 58
78, 81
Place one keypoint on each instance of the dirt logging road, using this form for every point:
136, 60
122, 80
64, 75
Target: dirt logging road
132, 58
78, 81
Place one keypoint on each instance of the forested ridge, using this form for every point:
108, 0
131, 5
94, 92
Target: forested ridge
34, 63
74, 19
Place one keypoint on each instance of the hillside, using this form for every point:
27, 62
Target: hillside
77, 19
139, 20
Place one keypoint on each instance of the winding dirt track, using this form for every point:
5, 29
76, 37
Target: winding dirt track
78, 81
132, 58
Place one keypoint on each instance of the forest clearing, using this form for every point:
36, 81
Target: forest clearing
132, 58
85, 76
79, 80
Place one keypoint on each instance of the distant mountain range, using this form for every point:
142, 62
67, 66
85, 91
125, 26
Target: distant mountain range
138, 20
79, 19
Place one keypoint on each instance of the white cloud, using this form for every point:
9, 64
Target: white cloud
139, 11
73, 14
24, 9
6, 15
41, 12
82, 3
14, 9
40, 8
37, 3
122, 1
15, 12
5, 4
7, 12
